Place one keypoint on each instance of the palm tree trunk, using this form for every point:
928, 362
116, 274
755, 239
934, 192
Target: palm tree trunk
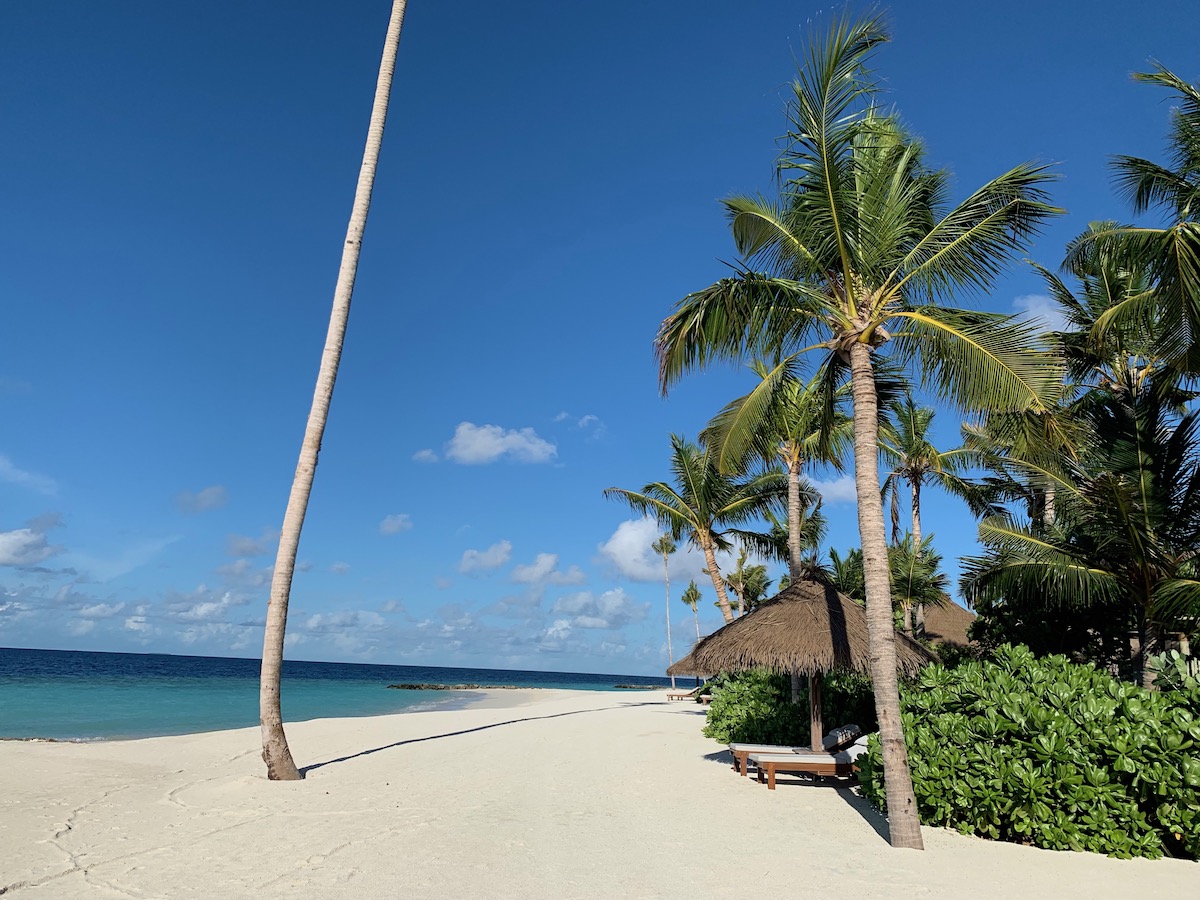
718, 582
904, 826
916, 515
667, 582
696, 616
793, 501
276, 754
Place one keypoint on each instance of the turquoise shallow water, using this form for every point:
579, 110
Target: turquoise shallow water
74, 695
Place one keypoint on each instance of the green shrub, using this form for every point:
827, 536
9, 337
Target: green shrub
1051, 753
756, 707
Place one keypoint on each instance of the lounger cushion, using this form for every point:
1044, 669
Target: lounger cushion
841, 737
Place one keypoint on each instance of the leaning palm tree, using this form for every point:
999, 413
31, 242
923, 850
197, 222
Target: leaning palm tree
664, 546
276, 753
704, 505
904, 439
852, 261
1171, 251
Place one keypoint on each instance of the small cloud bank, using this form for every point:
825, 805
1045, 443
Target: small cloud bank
1040, 311
10, 473
24, 547
474, 445
840, 490
396, 523
543, 570
485, 560
213, 497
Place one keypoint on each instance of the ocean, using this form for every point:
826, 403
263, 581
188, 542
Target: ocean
85, 696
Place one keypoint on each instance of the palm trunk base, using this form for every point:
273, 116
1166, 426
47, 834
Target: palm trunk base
277, 755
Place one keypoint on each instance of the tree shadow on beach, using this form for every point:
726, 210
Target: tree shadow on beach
846, 790
435, 737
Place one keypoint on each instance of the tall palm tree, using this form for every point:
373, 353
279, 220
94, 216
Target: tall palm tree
1122, 537
692, 597
704, 505
852, 261
664, 546
276, 753
1170, 252
904, 439
784, 420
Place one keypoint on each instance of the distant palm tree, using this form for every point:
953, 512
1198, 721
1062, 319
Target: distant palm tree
749, 583
853, 259
692, 598
784, 420
276, 753
664, 546
704, 505
904, 439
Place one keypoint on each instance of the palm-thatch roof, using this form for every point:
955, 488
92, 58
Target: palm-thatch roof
685, 666
948, 624
809, 628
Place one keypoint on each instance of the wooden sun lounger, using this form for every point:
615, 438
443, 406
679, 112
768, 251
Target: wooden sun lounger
834, 741
769, 764
682, 695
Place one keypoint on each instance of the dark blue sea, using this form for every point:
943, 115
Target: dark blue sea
77, 695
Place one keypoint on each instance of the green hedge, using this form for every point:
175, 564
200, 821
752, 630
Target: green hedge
1054, 754
755, 707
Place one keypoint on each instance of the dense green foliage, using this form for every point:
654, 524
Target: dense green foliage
1054, 754
755, 707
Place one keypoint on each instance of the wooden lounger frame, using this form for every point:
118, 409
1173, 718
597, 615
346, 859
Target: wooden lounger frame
769, 764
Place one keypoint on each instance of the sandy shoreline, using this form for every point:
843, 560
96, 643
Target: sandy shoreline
544, 793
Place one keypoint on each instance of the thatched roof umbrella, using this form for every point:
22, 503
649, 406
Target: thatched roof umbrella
687, 666
808, 629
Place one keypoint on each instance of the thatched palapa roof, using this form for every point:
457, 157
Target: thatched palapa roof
685, 666
948, 624
808, 628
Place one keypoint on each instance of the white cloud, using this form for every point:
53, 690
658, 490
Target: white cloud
559, 631
840, 490
542, 571
137, 624
1041, 311
100, 610
35, 482
425, 456
393, 606
478, 444
483, 560
612, 609
627, 551
395, 523
345, 620
24, 547
213, 497
245, 573
244, 545
202, 606
340, 568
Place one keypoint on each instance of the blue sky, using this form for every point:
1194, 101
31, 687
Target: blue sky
173, 196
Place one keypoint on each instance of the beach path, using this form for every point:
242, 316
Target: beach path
530, 794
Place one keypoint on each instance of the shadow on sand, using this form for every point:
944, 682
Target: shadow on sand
846, 790
435, 737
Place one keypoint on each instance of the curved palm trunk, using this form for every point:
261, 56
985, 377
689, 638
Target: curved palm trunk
667, 582
718, 583
904, 826
696, 616
276, 754
793, 501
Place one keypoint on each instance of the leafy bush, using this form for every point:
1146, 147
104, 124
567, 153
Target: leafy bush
1052, 753
756, 707
1172, 673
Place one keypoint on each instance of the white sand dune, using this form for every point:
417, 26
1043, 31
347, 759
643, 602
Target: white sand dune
555, 794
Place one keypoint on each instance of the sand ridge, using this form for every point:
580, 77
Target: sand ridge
530, 794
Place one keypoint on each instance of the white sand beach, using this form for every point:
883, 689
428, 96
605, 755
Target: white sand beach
532, 794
